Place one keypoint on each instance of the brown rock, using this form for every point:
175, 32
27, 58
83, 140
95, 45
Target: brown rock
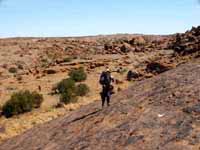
50, 71
156, 68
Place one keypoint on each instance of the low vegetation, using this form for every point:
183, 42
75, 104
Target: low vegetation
68, 96
12, 70
68, 89
21, 102
68, 59
78, 75
65, 85
82, 90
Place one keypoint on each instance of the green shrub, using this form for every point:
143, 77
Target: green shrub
82, 90
65, 85
21, 102
78, 75
68, 97
12, 70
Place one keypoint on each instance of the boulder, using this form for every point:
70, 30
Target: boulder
125, 48
132, 75
156, 68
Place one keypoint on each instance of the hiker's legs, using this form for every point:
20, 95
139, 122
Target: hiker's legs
105, 95
108, 100
108, 95
103, 98
103, 101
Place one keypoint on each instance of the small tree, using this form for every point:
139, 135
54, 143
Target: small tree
82, 90
78, 75
65, 85
68, 97
21, 102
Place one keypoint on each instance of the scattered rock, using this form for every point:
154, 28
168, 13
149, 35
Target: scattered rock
125, 48
186, 43
156, 68
50, 71
132, 75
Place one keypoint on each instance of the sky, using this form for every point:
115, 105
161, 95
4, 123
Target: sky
61, 18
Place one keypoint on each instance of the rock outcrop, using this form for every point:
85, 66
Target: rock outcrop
160, 113
187, 43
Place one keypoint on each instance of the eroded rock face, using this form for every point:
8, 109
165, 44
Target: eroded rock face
150, 115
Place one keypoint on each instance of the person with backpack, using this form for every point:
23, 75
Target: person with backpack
106, 80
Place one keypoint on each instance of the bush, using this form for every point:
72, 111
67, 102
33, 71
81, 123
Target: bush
67, 59
65, 85
12, 70
68, 97
19, 66
21, 102
78, 75
82, 90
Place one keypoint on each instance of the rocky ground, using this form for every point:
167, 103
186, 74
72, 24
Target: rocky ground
158, 113
34, 60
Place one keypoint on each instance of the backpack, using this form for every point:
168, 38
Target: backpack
105, 78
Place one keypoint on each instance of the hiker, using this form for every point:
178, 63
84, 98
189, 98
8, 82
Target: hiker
107, 89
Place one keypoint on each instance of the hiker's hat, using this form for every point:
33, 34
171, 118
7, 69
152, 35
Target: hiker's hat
107, 70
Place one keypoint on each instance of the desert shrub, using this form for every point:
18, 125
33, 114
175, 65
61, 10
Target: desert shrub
65, 85
81, 90
68, 59
12, 70
78, 75
45, 62
68, 97
21, 102
20, 66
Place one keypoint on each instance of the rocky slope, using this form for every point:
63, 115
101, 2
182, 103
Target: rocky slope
187, 43
159, 113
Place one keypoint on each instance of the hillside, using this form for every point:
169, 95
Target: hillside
158, 113
39, 64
